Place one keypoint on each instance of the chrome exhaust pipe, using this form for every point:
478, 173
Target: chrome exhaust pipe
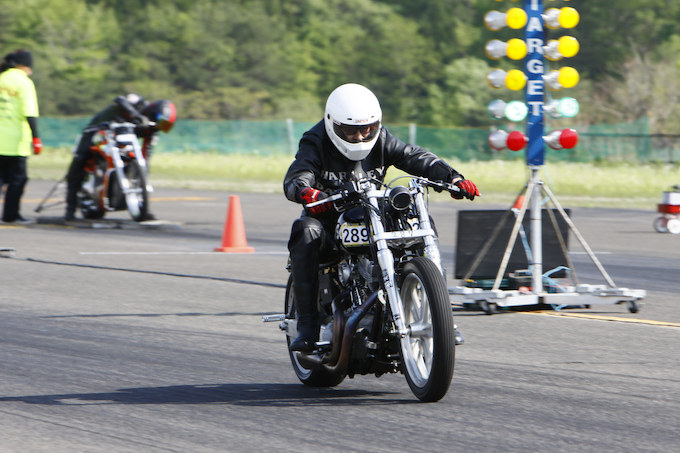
314, 361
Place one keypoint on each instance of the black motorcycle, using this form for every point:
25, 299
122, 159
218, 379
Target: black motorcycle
383, 299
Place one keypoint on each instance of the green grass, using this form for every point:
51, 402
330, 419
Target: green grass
637, 186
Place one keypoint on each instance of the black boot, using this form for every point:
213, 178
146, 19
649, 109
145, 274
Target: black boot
306, 239
71, 198
308, 334
70, 212
74, 179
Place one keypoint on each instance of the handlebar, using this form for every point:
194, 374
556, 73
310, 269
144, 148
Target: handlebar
115, 124
453, 189
439, 185
346, 193
334, 197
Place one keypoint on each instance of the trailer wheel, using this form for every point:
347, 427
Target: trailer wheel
633, 306
488, 307
660, 225
673, 226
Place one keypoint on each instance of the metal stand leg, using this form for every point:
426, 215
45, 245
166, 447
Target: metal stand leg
580, 238
42, 205
513, 235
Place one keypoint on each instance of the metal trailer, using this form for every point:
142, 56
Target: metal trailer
540, 287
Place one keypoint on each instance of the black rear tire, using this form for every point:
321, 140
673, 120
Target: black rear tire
92, 213
312, 378
88, 206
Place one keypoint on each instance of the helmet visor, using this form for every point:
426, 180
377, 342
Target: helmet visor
357, 133
165, 114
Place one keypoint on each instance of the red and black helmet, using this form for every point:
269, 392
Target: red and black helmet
163, 113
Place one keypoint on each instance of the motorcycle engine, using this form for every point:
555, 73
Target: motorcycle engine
326, 331
369, 271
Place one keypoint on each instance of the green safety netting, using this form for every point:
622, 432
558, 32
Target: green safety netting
612, 142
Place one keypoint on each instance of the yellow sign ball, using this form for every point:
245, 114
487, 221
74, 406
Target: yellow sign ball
516, 50
516, 18
515, 80
568, 77
569, 17
568, 46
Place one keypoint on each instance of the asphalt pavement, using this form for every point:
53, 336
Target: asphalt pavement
117, 336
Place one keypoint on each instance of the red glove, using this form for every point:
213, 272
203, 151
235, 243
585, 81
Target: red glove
37, 145
308, 195
468, 190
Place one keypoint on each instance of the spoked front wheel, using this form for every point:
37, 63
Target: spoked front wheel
428, 350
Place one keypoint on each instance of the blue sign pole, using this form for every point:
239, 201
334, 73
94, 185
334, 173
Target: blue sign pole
535, 97
535, 90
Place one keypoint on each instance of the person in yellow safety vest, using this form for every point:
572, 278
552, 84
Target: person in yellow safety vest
18, 129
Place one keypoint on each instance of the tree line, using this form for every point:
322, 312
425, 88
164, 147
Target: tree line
274, 59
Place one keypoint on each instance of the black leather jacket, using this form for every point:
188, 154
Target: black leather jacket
320, 165
121, 110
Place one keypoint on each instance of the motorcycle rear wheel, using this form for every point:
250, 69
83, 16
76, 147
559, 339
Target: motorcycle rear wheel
89, 207
428, 352
312, 378
93, 214
91, 211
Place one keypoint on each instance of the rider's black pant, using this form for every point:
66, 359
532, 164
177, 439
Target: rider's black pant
76, 171
310, 240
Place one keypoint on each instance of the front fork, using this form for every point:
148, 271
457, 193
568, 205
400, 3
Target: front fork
119, 167
386, 258
386, 263
431, 246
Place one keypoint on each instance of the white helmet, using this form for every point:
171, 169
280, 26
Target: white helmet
352, 120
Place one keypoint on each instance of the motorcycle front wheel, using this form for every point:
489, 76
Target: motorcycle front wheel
313, 378
136, 200
428, 351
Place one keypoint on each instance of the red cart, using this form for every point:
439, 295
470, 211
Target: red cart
669, 222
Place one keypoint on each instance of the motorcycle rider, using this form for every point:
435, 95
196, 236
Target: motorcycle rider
350, 132
128, 108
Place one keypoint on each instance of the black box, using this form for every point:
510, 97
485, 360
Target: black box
475, 227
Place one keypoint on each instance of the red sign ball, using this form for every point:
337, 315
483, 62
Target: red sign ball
516, 140
568, 138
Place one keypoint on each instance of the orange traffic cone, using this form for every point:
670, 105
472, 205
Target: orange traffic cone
518, 203
234, 236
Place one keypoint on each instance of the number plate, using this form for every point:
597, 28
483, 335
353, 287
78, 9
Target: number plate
353, 235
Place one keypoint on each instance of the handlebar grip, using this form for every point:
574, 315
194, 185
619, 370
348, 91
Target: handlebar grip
452, 187
333, 197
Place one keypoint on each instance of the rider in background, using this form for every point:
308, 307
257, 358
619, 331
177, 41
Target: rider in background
149, 118
350, 131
